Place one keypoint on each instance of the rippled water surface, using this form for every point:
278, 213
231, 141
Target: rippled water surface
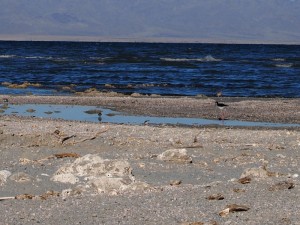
150, 68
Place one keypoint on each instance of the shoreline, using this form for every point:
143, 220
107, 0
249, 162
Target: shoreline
276, 110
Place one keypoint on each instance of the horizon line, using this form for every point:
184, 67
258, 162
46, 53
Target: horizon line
78, 38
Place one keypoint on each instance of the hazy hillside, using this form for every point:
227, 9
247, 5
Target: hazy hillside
254, 20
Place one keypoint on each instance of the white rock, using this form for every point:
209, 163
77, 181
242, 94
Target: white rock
4, 174
21, 177
281, 156
94, 165
65, 178
108, 184
175, 155
103, 175
255, 172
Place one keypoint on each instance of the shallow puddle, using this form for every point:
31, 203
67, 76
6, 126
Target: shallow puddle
99, 114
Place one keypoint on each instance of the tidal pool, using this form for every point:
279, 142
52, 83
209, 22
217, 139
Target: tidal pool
85, 113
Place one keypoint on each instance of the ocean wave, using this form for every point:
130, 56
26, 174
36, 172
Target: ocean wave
278, 59
207, 58
37, 57
100, 58
284, 65
7, 56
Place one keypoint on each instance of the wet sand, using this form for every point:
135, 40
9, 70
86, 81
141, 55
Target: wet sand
207, 190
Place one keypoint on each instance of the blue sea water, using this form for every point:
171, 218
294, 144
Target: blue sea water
151, 68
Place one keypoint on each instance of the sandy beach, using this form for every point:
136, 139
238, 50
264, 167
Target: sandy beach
72, 172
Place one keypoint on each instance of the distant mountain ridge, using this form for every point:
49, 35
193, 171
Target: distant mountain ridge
264, 21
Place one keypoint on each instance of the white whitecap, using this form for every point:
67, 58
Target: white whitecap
210, 58
34, 57
284, 65
207, 58
278, 59
7, 56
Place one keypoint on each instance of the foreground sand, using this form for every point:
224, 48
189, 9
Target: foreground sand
177, 192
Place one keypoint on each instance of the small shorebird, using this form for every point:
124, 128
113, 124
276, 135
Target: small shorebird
221, 106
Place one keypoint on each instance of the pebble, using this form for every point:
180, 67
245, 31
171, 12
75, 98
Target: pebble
281, 156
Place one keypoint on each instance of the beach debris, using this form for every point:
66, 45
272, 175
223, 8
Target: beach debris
238, 190
20, 177
4, 174
102, 175
69, 88
217, 196
24, 161
24, 196
175, 155
65, 155
95, 92
49, 194
283, 185
175, 182
233, 208
273, 147
245, 180
285, 220
32, 197
62, 138
23, 85
71, 192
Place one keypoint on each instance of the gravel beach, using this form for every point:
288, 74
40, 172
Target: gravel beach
68, 172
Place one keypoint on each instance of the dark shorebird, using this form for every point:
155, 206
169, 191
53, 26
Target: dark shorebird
99, 116
221, 106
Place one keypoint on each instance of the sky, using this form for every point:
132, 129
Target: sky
221, 21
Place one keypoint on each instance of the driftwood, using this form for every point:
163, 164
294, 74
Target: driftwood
6, 198
93, 137
62, 138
